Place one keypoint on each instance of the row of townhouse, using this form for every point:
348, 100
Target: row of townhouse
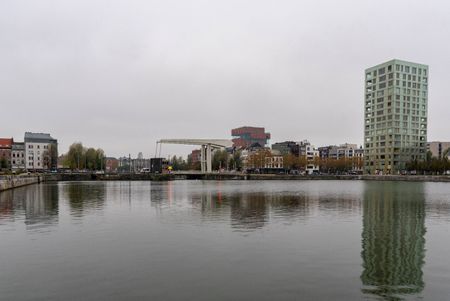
38, 151
346, 150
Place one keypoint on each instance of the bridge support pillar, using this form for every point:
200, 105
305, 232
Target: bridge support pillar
203, 158
208, 158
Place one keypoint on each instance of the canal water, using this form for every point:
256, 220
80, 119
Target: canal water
229, 240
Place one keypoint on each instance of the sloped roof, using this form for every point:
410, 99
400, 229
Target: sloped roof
6, 142
37, 137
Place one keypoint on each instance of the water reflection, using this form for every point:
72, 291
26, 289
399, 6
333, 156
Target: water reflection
249, 211
251, 206
393, 243
85, 196
36, 204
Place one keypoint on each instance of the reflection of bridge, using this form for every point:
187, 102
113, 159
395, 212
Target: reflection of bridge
207, 145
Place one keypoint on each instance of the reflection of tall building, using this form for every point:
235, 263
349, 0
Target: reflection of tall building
393, 243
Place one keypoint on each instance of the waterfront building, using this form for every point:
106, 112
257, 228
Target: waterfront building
18, 156
140, 163
287, 148
196, 157
124, 164
41, 151
346, 150
159, 165
439, 149
5, 152
111, 165
274, 162
395, 115
311, 154
248, 136
324, 151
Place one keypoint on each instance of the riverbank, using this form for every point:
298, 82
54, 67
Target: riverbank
238, 176
10, 182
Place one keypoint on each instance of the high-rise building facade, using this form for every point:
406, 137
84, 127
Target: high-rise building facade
395, 116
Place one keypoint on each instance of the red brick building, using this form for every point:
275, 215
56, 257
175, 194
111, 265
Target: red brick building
247, 136
196, 156
111, 165
5, 152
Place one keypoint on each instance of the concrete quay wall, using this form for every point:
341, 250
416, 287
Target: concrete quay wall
10, 182
235, 176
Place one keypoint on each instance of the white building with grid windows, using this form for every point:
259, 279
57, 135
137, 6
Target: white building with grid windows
395, 115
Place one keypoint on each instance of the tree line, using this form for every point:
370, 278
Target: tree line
84, 158
221, 159
431, 164
292, 162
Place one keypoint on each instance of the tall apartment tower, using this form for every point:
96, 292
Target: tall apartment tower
395, 116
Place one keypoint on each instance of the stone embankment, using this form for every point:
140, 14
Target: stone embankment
10, 182
106, 177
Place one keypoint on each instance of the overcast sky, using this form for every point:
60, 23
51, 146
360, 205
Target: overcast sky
122, 74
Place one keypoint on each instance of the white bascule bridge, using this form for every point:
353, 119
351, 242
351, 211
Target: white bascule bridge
207, 145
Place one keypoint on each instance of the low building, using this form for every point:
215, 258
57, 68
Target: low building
196, 157
286, 148
439, 149
140, 164
5, 152
111, 165
346, 150
41, 151
324, 151
159, 165
274, 162
18, 156
311, 154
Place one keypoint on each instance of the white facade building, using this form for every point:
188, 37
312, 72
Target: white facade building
274, 162
312, 154
40, 151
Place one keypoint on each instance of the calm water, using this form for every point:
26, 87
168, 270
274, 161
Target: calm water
231, 240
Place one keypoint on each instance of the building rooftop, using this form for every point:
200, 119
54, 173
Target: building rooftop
38, 137
394, 61
6, 142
